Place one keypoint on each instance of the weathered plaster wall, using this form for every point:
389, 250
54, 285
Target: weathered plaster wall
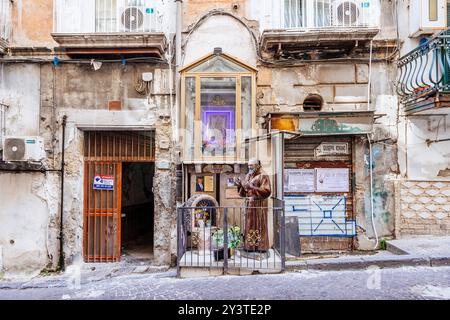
220, 31
19, 89
194, 9
29, 220
38, 96
419, 160
32, 23
344, 87
427, 161
83, 96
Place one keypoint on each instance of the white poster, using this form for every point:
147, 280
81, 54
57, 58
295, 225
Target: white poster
299, 180
332, 180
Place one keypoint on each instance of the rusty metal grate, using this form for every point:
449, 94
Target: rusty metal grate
104, 153
119, 146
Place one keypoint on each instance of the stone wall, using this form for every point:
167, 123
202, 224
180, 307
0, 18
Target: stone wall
424, 208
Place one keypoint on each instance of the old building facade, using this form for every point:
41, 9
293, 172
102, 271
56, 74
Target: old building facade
162, 101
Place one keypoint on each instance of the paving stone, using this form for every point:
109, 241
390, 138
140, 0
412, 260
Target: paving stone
372, 284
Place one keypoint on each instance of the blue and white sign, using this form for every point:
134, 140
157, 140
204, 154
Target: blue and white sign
320, 215
103, 182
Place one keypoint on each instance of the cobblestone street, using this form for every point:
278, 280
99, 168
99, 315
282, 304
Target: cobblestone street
373, 284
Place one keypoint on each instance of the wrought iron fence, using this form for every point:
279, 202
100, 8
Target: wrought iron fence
231, 237
316, 14
105, 16
424, 71
5, 19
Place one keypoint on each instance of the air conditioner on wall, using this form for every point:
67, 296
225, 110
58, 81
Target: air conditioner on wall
23, 149
355, 13
427, 17
135, 16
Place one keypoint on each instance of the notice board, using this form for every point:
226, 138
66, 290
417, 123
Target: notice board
299, 180
332, 180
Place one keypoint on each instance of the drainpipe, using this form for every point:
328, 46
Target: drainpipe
179, 27
61, 239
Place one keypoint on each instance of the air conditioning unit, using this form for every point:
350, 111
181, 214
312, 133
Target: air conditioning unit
355, 13
427, 17
134, 16
23, 149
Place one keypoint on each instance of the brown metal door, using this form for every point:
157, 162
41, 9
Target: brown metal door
104, 153
102, 212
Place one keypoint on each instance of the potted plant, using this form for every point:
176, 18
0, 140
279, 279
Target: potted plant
234, 239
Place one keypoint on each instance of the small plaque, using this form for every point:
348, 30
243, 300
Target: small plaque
331, 149
232, 193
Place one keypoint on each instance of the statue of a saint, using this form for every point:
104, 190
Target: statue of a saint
256, 189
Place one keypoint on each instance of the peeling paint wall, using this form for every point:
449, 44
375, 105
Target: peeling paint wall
234, 38
418, 159
38, 96
82, 95
26, 16
424, 163
28, 228
19, 89
343, 86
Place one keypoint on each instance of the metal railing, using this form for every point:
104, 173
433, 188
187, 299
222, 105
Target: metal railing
107, 16
318, 14
5, 19
424, 71
225, 237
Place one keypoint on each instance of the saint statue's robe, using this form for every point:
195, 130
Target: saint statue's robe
255, 231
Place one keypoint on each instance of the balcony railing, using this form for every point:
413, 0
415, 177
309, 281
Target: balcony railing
317, 14
424, 72
5, 19
108, 16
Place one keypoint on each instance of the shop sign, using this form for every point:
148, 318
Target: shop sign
336, 123
331, 149
103, 182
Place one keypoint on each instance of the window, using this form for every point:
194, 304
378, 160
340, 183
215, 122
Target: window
313, 102
322, 14
294, 13
218, 106
448, 13
218, 116
433, 10
105, 15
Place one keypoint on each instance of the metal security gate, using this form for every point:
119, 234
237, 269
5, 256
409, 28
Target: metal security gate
104, 153
314, 230
102, 213
224, 244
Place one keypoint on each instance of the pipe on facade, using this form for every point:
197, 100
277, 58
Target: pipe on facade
179, 27
370, 76
371, 192
61, 229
